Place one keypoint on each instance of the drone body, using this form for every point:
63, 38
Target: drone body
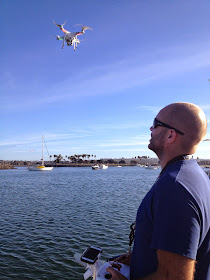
70, 37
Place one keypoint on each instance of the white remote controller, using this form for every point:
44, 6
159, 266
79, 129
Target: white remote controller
103, 274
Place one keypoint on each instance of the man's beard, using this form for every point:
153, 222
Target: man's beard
157, 143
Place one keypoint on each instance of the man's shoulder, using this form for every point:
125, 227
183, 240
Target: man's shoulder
185, 182
185, 171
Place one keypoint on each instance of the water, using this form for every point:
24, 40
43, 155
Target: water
47, 217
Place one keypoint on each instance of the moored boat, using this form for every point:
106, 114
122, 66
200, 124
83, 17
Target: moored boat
95, 167
41, 167
103, 166
151, 167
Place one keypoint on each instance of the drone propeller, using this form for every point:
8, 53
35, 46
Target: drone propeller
84, 27
59, 25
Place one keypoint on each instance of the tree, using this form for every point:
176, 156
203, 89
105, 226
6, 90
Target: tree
58, 158
111, 161
55, 156
84, 156
73, 159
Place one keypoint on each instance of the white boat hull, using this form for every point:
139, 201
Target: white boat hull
103, 166
40, 168
95, 167
151, 167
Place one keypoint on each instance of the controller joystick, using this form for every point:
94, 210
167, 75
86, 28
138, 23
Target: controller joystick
108, 276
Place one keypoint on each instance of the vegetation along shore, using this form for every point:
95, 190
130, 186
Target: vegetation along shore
82, 161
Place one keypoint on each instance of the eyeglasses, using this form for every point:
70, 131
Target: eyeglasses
156, 123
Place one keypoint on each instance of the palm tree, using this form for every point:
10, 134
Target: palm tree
60, 157
73, 159
55, 156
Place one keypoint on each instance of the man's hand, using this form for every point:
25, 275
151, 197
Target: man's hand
125, 259
115, 274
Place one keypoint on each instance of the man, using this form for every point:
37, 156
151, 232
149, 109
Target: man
172, 239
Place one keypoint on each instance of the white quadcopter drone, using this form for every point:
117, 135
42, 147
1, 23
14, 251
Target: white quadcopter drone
70, 37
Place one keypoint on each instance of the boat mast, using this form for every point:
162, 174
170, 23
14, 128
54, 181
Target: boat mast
42, 152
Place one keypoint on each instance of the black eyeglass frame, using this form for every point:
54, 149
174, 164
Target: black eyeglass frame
156, 123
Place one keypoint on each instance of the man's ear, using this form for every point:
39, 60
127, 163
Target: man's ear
171, 135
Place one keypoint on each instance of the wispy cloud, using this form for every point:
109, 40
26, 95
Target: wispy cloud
112, 78
35, 139
132, 74
153, 109
120, 144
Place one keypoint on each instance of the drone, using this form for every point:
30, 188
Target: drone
70, 37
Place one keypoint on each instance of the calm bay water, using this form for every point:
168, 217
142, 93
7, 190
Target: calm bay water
47, 217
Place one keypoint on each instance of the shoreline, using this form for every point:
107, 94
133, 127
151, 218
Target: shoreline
4, 166
8, 166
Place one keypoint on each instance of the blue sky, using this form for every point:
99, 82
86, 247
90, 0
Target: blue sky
101, 99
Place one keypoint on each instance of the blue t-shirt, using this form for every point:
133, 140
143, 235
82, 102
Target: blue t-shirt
174, 216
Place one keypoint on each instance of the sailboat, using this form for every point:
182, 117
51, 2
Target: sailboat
40, 167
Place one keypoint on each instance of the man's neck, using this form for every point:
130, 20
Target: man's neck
164, 162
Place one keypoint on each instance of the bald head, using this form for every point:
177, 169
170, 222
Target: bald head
188, 118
